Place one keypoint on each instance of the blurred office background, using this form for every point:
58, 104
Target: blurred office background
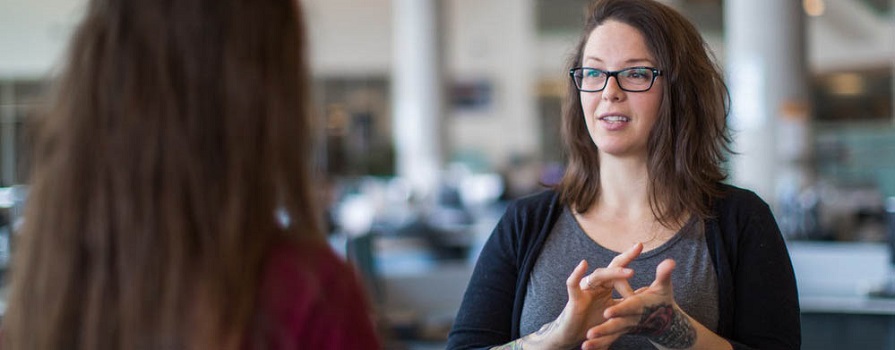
434, 113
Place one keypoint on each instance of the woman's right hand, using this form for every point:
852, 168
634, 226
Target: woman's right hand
589, 297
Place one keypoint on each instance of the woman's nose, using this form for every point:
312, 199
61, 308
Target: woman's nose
613, 91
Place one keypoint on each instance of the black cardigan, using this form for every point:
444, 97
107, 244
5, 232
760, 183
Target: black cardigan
757, 297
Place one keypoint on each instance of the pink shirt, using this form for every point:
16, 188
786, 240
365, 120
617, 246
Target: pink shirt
312, 300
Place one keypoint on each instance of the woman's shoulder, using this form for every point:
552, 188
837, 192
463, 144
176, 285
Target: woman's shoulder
310, 269
309, 297
534, 203
739, 209
735, 199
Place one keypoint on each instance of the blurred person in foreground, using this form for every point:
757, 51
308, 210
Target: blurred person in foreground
684, 261
171, 203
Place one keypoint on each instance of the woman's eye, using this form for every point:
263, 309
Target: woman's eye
593, 73
638, 74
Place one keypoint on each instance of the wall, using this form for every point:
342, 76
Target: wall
858, 155
495, 41
490, 42
850, 35
33, 35
350, 37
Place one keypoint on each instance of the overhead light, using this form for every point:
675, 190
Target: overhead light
814, 8
847, 84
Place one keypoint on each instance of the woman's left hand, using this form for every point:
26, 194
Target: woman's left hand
650, 312
591, 295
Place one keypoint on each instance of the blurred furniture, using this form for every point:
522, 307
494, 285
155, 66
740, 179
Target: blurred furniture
835, 282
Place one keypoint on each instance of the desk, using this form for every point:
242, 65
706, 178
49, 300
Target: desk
833, 281
847, 305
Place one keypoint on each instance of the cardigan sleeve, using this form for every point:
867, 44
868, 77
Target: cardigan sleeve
485, 316
766, 303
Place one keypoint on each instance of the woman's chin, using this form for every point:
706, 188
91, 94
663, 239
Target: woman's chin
620, 151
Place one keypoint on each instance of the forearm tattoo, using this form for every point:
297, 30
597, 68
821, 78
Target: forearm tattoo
666, 326
513, 345
533, 338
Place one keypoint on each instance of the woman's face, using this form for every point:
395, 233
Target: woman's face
619, 122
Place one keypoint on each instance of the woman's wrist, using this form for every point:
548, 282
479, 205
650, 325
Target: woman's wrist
546, 337
550, 336
668, 326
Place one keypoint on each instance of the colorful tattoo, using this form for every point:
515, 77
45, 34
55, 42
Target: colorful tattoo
545, 329
666, 326
513, 345
534, 338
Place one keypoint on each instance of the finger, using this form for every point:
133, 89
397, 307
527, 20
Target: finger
631, 307
627, 256
612, 327
575, 279
603, 276
600, 343
663, 275
623, 288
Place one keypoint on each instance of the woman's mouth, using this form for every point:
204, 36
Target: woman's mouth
615, 119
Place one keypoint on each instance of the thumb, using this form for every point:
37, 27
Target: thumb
663, 275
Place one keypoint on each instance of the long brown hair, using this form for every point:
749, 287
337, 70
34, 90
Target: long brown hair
688, 142
176, 131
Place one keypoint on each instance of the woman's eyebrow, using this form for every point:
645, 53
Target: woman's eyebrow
626, 62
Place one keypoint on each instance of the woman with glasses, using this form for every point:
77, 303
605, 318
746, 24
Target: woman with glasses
171, 204
640, 245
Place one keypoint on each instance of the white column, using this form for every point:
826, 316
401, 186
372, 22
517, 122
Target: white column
417, 93
767, 72
518, 89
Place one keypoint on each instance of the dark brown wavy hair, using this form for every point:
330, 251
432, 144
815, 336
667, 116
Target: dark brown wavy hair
689, 141
176, 130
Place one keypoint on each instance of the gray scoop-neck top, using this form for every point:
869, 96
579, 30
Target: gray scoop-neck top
694, 279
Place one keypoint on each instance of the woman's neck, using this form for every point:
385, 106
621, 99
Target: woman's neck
624, 188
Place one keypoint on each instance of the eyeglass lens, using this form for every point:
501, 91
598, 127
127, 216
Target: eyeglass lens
631, 79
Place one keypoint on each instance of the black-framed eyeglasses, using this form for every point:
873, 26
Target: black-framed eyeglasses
632, 79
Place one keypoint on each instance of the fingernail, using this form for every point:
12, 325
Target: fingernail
627, 270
